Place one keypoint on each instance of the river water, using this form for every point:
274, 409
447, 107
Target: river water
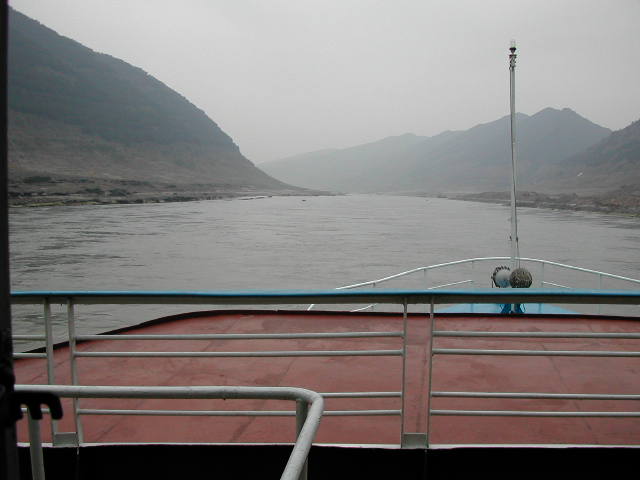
288, 243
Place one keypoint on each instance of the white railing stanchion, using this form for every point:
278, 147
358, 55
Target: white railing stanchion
302, 410
51, 366
403, 408
71, 321
35, 448
432, 321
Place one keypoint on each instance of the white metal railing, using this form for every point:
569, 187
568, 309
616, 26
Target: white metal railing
437, 334
473, 261
309, 407
542, 282
431, 298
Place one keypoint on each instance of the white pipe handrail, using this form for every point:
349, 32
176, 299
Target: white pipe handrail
486, 259
275, 353
307, 429
539, 395
535, 353
240, 336
532, 413
604, 335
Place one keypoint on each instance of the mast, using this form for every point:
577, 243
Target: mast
515, 252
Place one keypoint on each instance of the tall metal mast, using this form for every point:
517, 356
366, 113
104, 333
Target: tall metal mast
515, 252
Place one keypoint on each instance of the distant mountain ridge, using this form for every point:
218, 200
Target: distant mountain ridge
77, 113
473, 160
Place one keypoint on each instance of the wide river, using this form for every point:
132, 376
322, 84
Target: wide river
289, 243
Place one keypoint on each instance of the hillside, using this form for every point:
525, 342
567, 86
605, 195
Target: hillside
474, 160
612, 163
77, 116
354, 169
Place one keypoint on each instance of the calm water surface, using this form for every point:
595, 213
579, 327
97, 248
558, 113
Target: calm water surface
288, 243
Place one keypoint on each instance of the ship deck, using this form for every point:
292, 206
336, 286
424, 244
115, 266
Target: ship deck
481, 373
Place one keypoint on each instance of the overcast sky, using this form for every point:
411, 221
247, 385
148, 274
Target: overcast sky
283, 77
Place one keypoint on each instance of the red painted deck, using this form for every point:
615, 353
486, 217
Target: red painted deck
351, 373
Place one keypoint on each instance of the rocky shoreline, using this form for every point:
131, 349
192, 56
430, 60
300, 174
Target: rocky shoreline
623, 201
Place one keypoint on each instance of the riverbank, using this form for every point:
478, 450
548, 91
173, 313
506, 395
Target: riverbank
623, 201
44, 191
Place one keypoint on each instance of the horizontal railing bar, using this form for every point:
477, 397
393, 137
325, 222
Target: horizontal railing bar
458, 333
331, 395
530, 353
362, 308
362, 413
538, 396
174, 392
495, 295
190, 413
523, 413
580, 269
29, 337
281, 353
461, 282
231, 413
362, 394
242, 336
29, 355
556, 285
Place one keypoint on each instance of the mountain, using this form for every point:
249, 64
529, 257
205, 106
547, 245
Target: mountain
477, 159
78, 114
352, 169
612, 163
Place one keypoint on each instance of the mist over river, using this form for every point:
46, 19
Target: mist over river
286, 243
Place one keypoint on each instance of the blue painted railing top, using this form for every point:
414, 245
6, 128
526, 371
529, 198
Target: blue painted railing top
332, 296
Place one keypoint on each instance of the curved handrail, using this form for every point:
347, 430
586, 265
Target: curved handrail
298, 456
472, 260
484, 259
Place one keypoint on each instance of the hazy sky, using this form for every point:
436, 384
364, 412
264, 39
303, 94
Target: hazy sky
289, 76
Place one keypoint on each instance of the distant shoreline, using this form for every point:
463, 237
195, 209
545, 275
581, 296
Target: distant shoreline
621, 202
51, 201
51, 193
618, 202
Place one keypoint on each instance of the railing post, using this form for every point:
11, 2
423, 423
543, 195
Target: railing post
71, 323
412, 416
51, 369
599, 288
432, 322
35, 448
302, 410
404, 370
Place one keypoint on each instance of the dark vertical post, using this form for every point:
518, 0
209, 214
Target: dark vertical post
8, 451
